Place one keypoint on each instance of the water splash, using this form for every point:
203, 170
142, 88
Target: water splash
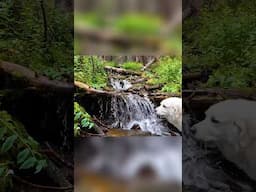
119, 84
130, 111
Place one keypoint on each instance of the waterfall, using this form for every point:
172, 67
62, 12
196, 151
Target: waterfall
132, 111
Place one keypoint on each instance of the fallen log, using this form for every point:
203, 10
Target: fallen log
90, 90
122, 71
141, 80
153, 87
158, 97
30, 78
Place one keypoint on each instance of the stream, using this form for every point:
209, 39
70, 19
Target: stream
204, 168
134, 112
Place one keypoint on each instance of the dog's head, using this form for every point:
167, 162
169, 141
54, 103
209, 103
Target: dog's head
171, 110
225, 122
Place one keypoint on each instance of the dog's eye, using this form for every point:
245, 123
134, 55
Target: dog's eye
164, 106
214, 120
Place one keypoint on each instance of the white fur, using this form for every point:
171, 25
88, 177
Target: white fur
231, 124
171, 110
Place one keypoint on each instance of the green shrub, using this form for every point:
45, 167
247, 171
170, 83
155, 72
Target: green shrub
135, 66
90, 70
82, 120
138, 24
23, 40
227, 77
110, 63
17, 149
223, 40
169, 73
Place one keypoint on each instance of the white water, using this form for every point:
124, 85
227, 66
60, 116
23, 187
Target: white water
131, 110
120, 85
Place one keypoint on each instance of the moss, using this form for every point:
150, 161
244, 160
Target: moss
135, 66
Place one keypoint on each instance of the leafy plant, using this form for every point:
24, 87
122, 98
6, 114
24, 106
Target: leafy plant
135, 66
168, 72
82, 120
90, 70
26, 41
18, 149
228, 45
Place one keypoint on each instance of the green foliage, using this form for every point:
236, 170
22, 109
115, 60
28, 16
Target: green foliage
82, 120
91, 19
168, 72
227, 45
226, 78
17, 148
138, 24
135, 66
23, 39
90, 70
110, 64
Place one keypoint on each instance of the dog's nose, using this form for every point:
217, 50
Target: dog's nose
193, 130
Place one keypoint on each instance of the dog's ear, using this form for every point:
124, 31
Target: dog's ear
243, 132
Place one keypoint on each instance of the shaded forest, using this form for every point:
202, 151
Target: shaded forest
36, 71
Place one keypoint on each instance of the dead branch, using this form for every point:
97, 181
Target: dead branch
149, 64
121, 71
37, 187
90, 90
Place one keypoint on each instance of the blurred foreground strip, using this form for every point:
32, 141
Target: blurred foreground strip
92, 182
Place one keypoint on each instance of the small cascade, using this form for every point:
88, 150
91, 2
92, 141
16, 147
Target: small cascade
120, 85
132, 111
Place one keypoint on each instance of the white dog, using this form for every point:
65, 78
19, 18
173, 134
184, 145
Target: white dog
171, 110
231, 125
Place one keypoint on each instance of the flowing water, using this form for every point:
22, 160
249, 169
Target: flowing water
119, 84
125, 158
132, 111
206, 170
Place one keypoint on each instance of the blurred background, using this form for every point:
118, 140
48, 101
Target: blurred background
128, 164
131, 26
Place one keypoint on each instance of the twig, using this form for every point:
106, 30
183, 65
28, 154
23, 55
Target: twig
42, 187
70, 165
